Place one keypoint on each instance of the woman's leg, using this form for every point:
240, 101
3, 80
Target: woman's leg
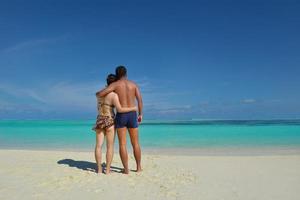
110, 138
98, 149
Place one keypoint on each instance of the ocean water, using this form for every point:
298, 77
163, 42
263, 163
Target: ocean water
77, 135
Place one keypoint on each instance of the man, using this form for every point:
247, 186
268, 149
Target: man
128, 92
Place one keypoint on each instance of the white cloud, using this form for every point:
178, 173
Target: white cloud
62, 95
248, 101
69, 96
32, 44
72, 94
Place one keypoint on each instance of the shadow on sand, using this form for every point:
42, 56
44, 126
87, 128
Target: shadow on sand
87, 166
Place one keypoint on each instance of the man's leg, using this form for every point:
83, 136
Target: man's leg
122, 148
134, 138
110, 137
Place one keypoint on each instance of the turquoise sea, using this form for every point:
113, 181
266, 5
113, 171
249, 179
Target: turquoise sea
77, 135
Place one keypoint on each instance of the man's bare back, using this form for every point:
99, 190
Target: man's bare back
126, 91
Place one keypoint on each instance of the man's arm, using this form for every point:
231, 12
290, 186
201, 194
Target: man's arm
140, 102
106, 90
121, 109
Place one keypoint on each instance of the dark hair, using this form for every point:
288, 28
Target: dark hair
111, 78
121, 71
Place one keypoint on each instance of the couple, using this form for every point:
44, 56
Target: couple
122, 94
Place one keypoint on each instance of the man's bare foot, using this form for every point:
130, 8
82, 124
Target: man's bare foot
125, 171
139, 169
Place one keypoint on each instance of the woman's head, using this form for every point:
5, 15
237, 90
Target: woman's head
111, 78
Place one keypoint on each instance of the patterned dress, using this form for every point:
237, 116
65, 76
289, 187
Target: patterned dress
105, 117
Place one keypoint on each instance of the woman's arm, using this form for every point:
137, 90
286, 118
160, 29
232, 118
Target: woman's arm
121, 109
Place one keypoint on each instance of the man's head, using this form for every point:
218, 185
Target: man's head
111, 78
121, 72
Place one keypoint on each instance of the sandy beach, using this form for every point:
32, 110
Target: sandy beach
26, 174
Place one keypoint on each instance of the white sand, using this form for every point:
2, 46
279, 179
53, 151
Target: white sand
37, 175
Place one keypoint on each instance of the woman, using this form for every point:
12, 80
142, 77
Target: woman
105, 124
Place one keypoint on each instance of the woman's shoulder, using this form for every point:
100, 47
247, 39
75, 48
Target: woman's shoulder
99, 98
112, 94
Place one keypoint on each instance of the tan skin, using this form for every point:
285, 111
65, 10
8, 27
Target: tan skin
110, 99
128, 93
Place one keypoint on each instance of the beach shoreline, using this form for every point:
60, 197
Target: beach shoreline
183, 151
44, 174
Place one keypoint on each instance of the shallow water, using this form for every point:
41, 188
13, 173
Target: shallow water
77, 135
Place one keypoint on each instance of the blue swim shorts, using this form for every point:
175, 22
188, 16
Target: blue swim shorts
128, 120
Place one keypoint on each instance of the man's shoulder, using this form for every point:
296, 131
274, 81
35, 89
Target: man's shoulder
125, 83
115, 85
132, 82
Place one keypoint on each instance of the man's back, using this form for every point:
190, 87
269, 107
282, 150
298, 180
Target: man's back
126, 91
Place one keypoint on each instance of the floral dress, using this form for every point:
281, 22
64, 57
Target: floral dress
105, 117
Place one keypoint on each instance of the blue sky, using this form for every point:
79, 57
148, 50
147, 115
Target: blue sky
192, 59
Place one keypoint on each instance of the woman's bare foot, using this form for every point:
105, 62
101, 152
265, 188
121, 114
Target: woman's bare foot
107, 171
99, 169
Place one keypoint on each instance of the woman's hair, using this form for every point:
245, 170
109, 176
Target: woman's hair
111, 78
